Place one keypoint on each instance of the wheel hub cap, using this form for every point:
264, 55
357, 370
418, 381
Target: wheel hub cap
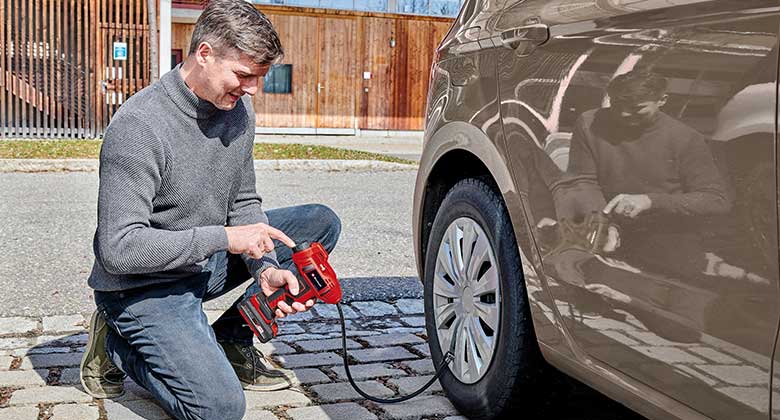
467, 299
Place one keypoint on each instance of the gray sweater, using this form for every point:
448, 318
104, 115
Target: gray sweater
174, 170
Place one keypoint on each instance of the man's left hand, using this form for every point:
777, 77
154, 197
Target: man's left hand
272, 279
628, 205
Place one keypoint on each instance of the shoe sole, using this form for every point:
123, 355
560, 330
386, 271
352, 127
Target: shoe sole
265, 388
90, 349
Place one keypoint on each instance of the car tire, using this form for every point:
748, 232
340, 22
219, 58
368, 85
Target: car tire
514, 373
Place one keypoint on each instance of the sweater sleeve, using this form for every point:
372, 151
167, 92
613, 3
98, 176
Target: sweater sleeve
705, 192
247, 209
132, 163
578, 193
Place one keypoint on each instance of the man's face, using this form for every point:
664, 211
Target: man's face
230, 76
636, 113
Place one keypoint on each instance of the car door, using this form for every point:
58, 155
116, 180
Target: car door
677, 285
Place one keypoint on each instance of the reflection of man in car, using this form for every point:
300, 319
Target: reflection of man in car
654, 176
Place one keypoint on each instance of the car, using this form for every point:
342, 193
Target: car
597, 199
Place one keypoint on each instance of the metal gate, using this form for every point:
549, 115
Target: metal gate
67, 65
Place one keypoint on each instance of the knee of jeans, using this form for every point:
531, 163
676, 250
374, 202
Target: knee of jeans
330, 219
224, 405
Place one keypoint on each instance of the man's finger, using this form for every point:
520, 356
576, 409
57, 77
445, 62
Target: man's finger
268, 244
292, 282
280, 314
298, 306
279, 235
309, 303
612, 203
285, 307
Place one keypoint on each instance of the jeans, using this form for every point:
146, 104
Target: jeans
160, 337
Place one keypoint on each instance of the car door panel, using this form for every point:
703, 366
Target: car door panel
687, 303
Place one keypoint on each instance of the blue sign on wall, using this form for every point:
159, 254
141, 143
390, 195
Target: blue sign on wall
120, 50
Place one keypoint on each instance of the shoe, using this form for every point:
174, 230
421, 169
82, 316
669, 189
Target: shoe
99, 376
254, 372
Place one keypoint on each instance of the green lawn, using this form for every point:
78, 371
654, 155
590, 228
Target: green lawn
90, 149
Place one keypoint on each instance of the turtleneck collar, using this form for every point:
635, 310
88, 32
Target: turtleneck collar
184, 98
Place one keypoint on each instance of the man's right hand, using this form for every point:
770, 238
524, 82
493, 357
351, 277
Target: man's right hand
254, 240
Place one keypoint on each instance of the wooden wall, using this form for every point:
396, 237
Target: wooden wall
58, 77
331, 49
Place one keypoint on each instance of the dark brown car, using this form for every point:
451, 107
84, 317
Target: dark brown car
598, 194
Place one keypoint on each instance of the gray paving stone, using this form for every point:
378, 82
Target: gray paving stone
668, 354
5, 362
422, 366
431, 405
40, 361
379, 324
410, 306
19, 413
349, 411
414, 321
355, 333
375, 308
455, 418
49, 394
274, 347
41, 350
75, 412
330, 311
18, 325
392, 339
423, 349
212, 316
411, 384
323, 328
255, 400
325, 345
70, 376
369, 371
63, 323
15, 343
290, 328
134, 392
259, 415
23, 378
402, 330
737, 375
294, 338
344, 391
381, 354
62, 340
134, 410
714, 355
310, 376
291, 361
298, 317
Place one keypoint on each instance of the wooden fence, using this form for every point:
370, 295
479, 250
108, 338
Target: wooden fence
58, 72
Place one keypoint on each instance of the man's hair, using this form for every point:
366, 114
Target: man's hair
237, 25
637, 86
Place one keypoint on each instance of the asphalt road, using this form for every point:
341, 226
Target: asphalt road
47, 221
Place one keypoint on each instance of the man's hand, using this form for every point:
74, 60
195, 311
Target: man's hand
629, 205
613, 240
272, 279
254, 240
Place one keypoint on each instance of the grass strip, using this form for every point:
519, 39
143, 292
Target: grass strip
90, 149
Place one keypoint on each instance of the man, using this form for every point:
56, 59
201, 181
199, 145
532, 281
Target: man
651, 174
180, 223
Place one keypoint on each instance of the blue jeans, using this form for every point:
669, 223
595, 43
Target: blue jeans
160, 337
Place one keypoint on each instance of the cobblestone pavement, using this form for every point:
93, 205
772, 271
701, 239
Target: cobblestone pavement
39, 360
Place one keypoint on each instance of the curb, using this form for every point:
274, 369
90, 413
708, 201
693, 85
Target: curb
320, 165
